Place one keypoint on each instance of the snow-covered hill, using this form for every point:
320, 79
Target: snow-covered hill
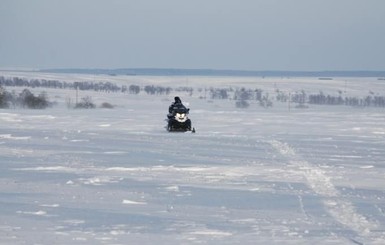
248, 176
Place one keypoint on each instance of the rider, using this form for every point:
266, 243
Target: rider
177, 104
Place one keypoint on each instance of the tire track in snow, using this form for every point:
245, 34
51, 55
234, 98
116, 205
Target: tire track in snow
340, 209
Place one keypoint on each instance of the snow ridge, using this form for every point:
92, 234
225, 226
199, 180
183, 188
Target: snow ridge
341, 210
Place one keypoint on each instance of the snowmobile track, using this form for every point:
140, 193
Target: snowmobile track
340, 209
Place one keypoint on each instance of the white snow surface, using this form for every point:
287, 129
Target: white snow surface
248, 176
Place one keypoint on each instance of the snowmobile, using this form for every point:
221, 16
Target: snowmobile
177, 119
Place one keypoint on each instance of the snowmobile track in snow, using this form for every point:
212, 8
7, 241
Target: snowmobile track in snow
340, 209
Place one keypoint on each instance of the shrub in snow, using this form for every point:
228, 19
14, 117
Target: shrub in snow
86, 103
4, 98
242, 104
106, 105
29, 100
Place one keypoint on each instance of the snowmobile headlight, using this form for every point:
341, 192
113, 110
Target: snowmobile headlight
180, 115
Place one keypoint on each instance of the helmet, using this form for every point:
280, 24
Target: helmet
177, 100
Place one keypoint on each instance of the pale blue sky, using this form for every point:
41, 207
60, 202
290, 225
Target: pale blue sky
215, 34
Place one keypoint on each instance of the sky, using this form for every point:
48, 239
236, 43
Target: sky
290, 35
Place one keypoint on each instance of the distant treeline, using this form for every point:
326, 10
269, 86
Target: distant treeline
242, 96
43, 83
370, 100
84, 85
301, 98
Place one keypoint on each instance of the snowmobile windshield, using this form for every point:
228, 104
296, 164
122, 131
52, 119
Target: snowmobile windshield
180, 109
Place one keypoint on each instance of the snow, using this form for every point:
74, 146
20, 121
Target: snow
248, 176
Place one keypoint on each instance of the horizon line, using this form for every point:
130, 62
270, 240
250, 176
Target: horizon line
206, 72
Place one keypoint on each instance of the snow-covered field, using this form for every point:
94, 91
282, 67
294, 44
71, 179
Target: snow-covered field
248, 176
